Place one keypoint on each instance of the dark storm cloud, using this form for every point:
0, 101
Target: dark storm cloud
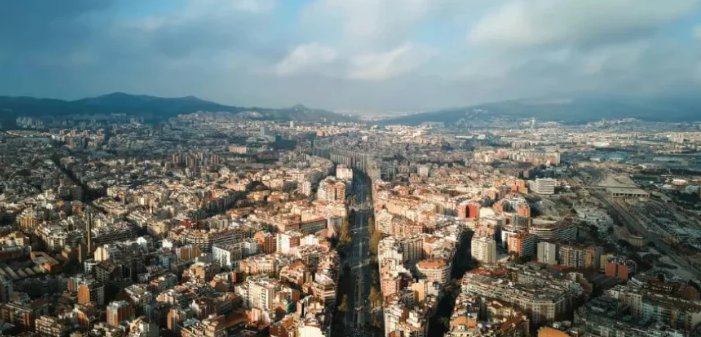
49, 48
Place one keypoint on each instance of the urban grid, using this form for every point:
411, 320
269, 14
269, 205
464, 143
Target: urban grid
207, 226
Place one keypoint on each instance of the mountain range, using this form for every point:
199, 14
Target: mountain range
678, 108
150, 108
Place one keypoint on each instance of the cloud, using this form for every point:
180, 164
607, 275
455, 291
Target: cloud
388, 64
378, 54
530, 23
199, 7
549, 47
638, 67
255, 6
314, 58
382, 23
207, 26
612, 58
28, 26
370, 22
304, 57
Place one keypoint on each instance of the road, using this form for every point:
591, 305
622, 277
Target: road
358, 319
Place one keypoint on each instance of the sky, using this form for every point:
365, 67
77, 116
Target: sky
350, 55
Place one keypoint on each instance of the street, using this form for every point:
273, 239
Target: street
357, 319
